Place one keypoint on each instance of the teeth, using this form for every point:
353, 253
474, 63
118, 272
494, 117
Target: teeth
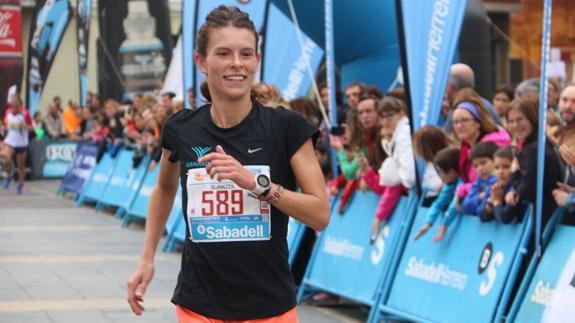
235, 78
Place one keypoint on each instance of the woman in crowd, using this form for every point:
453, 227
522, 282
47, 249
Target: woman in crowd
523, 121
472, 124
361, 138
502, 97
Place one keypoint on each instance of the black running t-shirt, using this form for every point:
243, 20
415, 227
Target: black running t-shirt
238, 280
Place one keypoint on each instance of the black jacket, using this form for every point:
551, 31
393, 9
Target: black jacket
525, 180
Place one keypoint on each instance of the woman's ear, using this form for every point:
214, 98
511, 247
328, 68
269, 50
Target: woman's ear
200, 62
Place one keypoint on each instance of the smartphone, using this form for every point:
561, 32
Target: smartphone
337, 131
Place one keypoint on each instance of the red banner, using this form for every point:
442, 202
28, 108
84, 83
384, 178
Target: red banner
10, 30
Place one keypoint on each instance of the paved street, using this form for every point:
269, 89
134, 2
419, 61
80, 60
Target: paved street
59, 263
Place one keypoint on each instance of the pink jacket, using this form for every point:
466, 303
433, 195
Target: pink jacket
466, 170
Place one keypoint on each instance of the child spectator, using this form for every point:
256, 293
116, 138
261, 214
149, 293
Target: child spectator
475, 198
496, 208
397, 173
482, 159
98, 133
447, 165
427, 142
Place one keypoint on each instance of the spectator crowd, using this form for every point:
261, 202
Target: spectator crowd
480, 158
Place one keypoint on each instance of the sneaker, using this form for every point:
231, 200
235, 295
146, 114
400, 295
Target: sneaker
7, 182
19, 189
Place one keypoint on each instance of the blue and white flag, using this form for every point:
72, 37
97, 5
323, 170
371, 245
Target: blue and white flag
286, 56
83, 14
430, 32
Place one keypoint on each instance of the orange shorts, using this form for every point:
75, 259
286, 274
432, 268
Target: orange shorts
186, 316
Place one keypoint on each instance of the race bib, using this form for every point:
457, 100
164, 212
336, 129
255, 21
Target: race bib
221, 211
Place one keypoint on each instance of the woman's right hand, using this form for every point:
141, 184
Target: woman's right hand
138, 284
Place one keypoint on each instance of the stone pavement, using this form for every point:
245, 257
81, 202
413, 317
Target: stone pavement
59, 263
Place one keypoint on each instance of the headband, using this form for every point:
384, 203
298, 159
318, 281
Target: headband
471, 108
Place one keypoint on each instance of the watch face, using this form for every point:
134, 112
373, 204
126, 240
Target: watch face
263, 180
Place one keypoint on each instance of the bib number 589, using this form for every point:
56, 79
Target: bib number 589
222, 202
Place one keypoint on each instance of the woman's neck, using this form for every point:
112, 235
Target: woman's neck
227, 114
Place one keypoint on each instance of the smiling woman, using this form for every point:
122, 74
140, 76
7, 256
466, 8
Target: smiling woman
238, 162
522, 119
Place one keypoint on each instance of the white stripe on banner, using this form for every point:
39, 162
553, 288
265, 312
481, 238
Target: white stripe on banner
545, 44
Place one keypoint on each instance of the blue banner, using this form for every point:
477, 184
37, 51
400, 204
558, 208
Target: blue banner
285, 59
429, 32
176, 225
97, 182
466, 277
344, 262
133, 183
551, 294
295, 233
58, 156
49, 22
256, 10
120, 180
83, 15
80, 169
139, 207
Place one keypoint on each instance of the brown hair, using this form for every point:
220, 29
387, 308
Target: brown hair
428, 141
390, 104
508, 152
505, 89
553, 119
486, 122
266, 93
307, 108
447, 159
222, 16
399, 93
528, 105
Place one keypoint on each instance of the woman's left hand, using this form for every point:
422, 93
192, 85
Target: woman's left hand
222, 166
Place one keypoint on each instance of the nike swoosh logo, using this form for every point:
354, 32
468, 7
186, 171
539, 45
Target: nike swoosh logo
251, 151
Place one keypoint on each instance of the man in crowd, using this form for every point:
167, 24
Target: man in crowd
461, 76
567, 132
167, 100
72, 118
57, 102
53, 125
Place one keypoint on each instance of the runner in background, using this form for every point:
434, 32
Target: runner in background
18, 123
238, 163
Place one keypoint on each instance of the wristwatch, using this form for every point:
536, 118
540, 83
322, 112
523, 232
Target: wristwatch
263, 185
